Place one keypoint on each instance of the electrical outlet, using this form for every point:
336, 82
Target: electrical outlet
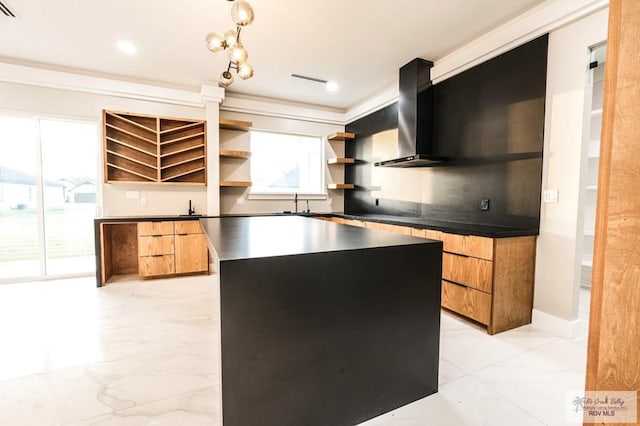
132, 195
550, 196
484, 204
143, 201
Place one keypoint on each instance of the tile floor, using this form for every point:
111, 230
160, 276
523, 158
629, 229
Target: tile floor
142, 353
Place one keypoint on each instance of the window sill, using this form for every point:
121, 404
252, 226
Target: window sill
285, 196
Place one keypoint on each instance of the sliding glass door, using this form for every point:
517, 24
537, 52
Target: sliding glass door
48, 197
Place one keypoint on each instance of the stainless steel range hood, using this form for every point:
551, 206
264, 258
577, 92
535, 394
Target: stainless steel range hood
416, 147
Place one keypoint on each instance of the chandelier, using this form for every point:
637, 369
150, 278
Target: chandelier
241, 15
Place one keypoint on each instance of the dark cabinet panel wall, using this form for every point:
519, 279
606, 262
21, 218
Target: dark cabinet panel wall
490, 121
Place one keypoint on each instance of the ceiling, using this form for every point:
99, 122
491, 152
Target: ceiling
359, 44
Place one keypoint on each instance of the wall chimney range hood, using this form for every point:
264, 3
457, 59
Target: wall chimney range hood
416, 145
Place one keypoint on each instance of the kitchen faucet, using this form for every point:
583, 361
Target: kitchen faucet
192, 210
295, 201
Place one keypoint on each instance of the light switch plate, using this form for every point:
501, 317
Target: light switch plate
550, 196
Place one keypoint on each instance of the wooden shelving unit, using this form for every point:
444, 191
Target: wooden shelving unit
340, 160
235, 183
242, 126
228, 124
341, 136
340, 186
334, 137
229, 153
150, 149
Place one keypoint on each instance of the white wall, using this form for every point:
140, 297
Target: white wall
560, 243
238, 200
41, 101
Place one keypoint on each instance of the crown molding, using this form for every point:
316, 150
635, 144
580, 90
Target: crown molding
282, 109
22, 74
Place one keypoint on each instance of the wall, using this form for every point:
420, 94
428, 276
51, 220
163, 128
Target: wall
560, 241
489, 122
239, 200
41, 101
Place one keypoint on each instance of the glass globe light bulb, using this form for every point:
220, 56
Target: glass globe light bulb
245, 71
237, 54
241, 13
215, 42
230, 37
225, 79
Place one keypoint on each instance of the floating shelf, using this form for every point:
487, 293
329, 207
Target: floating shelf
340, 186
228, 124
341, 160
237, 183
596, 112
151, 149
229, 153
341, 136
587, 262
592, 187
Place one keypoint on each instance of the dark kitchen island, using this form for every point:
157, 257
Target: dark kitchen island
322, 323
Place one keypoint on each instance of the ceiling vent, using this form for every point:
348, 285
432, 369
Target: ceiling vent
6, 11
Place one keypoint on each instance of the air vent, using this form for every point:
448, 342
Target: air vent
304, 77
6, 11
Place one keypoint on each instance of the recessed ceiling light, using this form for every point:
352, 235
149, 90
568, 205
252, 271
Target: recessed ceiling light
127, 47
331, 86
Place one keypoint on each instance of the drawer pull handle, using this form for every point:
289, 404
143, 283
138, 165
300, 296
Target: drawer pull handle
157, 255
183, 234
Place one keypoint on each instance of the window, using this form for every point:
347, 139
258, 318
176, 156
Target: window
285, 163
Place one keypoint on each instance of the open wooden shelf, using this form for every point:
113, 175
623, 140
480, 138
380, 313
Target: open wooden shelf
150, 149
341, 160
229, 153
237, 183
341, 136
340, 186
228, 124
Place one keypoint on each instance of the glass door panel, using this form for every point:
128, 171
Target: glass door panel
20, 243
69, 169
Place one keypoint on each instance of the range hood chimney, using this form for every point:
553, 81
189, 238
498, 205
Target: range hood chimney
416, 146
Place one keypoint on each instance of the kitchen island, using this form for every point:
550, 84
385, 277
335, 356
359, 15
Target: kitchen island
322, 323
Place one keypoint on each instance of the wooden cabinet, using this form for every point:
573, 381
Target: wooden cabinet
142, 148
190, 248
488, 280
156, 249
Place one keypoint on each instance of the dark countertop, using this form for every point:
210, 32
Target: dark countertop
246, 237
156, 218
482, 230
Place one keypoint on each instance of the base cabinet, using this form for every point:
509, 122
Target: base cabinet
191, 253
488, 280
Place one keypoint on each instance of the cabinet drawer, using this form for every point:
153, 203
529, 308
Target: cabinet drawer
467, 301
155, 228
155, 245
188, 227
153, 266
470, 271
468, 245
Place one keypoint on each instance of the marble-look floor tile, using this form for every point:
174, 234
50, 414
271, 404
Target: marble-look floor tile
539, 380
448, 372
472, 349
127, 382
196, 408
462, 402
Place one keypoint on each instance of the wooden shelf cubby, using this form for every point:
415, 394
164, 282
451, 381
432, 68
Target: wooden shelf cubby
341, 136
152, 149
340, 160
228, 124
340, 186
229, 153
236, 183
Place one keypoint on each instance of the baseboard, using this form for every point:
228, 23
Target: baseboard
552, 324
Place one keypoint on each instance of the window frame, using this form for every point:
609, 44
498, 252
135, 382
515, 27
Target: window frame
289, 195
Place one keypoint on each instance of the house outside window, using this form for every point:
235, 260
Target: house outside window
286, 163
